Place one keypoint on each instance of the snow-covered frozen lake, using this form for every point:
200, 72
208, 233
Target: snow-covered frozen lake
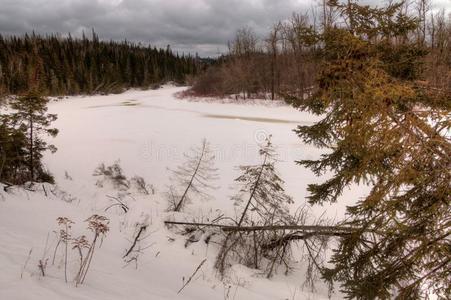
148, 131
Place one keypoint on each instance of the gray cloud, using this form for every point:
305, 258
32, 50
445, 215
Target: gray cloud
202, 26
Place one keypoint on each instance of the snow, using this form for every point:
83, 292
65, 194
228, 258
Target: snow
148, 131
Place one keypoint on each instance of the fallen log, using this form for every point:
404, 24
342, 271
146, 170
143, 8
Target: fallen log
326, 230
305, 228
301, 232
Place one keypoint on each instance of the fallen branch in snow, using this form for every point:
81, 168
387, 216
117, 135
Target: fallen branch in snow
192, 275
279, 242
327, 230
194, 224
141, 230
313, 229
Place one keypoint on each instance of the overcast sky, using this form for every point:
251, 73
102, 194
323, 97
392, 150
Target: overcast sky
202, 26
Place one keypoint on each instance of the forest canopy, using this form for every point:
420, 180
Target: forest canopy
67, 65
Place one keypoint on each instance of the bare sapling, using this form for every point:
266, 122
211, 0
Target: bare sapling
193, 178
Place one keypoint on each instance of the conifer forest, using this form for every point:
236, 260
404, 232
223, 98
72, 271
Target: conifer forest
71, 66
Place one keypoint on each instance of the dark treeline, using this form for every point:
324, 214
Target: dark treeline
67, 65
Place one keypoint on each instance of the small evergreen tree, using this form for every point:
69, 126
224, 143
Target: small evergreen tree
264, 203
262, 190
12, 152
31, 118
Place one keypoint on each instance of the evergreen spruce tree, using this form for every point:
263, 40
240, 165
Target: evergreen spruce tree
261, 194
264, 202
12, 152
383, 129
32, 119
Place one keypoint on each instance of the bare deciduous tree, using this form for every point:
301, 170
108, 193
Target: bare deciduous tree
272, 45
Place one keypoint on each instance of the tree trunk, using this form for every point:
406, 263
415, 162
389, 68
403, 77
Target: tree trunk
254, 188
179, 205
31, 150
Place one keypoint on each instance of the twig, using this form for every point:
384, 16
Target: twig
141, 230
26, 263
191, 277
45, 191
